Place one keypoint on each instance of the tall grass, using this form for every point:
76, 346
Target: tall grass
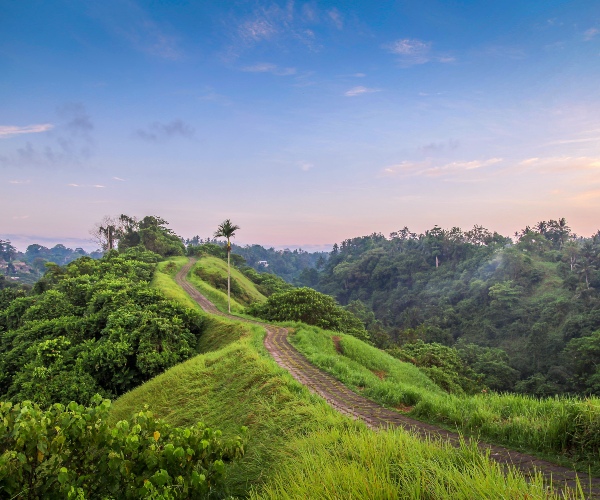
353, 464
561, 426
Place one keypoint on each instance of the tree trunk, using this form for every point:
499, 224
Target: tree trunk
228, 278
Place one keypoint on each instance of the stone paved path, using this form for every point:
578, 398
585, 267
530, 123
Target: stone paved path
375, 416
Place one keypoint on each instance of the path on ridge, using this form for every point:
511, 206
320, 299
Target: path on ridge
375, 416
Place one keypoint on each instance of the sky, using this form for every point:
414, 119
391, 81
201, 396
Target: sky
305, 123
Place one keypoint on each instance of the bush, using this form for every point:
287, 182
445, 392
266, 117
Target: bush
441, 364
72, 452
310, 307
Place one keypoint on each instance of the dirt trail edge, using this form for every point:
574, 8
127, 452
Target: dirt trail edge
375, 416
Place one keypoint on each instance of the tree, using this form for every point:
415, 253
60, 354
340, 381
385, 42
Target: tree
7, 252
105, 232
227, 230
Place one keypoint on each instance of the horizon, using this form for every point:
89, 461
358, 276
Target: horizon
310, 122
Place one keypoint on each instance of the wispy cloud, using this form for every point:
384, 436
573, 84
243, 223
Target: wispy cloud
74, 185
590, 34
280, 24
439, 147
118, 179
336, 18
561, 164
269, 68
353, 92
10, 130
69, 141
20, 217
16, 181
159, 132
133, 24
429, 169
412, 51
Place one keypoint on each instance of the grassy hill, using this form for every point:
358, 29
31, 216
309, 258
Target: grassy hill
209, 275
298, 446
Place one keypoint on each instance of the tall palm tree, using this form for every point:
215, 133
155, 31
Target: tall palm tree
227, 230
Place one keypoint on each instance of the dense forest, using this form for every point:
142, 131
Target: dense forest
95, 326
526, 314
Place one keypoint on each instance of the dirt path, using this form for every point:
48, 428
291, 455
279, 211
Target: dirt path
375, 416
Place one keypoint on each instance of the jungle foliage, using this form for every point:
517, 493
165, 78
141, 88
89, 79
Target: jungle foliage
524, 314
93, 326
73, 452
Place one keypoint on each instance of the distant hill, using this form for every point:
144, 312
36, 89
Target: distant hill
29, 266
525, 313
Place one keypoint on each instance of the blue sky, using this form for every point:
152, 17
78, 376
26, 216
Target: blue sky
304, 122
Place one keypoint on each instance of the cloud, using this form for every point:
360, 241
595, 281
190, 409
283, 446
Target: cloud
359, 75
408, 47
160, 132
278, 24
359, 90
20, 217
118, 179
72, 184
438, 147
336, 18
77, 119
132, 23
590, 34
270, 68
19, 182
428, 169
10, 130
67, 142
412, 51
561, 164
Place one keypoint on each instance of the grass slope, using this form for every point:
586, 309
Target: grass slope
560, 429
299, 447
213, 265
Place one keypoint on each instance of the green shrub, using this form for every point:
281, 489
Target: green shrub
310, 307
441, 364
72, 452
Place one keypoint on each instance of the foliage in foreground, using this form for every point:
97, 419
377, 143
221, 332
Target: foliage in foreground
72, 452
310, 307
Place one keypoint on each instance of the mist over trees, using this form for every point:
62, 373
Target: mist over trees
524, 313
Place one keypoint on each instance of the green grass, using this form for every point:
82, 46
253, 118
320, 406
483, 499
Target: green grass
298, 446
561, 429
388, 465
218, 266
163, 280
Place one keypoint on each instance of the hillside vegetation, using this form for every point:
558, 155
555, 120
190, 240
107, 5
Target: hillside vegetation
524, 315
93, 326
298, 446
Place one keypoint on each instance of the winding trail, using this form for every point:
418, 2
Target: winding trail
375, 416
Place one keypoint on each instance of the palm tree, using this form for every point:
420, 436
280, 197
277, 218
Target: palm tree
227, 230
